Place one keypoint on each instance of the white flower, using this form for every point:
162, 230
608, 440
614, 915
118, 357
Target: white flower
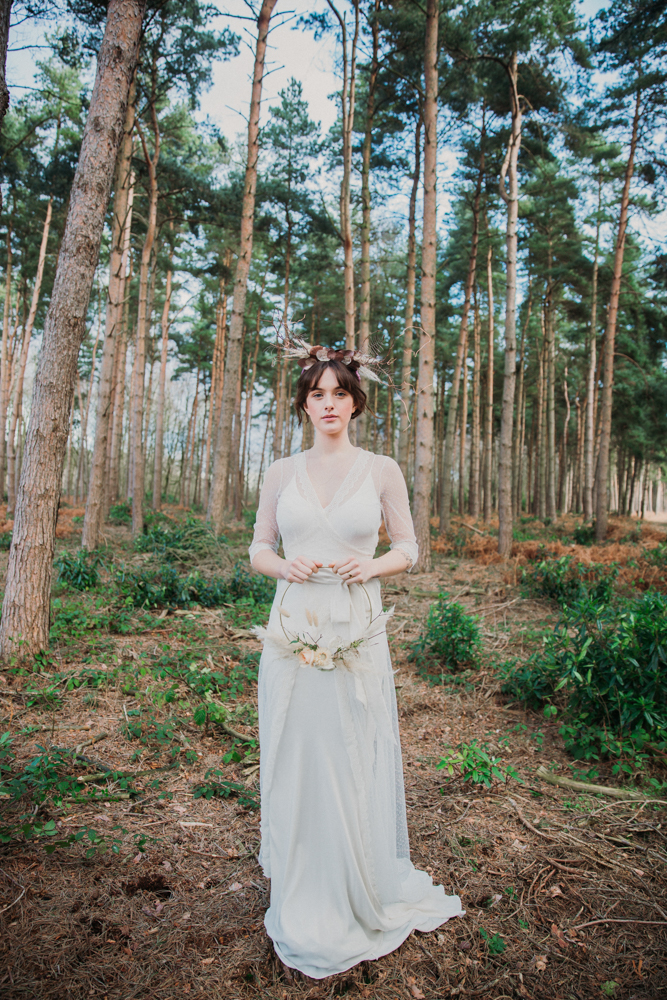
307, 657
323, 660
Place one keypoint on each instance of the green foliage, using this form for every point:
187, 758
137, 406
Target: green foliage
5, 541
494, 943
121, 513
178, 541
607, 666
566, 582
156, 734
584, 534
450, 640
215, 785
164, 587
78, 569
476, 764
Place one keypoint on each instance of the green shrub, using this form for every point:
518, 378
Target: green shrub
476, 764
450, 640
212, 788
5, 541
78, 569
120, 513
178, 541
606, 665
567, 582
584, 534
164, 587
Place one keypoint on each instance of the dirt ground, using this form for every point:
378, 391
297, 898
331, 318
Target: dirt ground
565, 893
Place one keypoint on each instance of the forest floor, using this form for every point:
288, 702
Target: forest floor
564, 891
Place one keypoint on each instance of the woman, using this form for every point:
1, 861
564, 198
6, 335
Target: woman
334, 831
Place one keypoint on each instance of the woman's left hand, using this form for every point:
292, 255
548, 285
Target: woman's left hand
352, 570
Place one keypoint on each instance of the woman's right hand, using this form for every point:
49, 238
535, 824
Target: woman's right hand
299, 569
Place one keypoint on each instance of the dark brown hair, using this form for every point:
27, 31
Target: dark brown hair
347, 380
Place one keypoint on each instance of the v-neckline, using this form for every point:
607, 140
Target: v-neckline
323, 508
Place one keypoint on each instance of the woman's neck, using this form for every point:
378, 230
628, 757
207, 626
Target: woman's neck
326, 444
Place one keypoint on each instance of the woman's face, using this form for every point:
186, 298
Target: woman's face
329, 407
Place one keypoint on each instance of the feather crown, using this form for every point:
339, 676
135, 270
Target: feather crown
306, 355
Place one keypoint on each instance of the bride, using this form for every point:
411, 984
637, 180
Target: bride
334, 831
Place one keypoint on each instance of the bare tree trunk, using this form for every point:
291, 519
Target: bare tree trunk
562, 479
23, 360
233, 487
216, 503
550, 371
5, 16
488, 403
511, 198
250, 382
424, 430
217, 377
4, 360
159, 406
602, 512
446, 499
347, 113
474, 497
25, 616
406, 367
120, 238
83, 451
117, 433
589, 448
137, 446
463, 428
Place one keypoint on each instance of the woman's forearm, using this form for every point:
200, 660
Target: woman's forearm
269, 563
390, 563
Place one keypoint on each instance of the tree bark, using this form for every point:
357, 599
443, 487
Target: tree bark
216, 503
5, 16
25, 347
550, 372
446, 499
159, 406
4, 359
487, 471
511, 198
424, 424
474, 498
347, 112
602, 512
117, 430
562, 478
137, 446
25, 614
406, 365
589, 445
463, 423
120, 235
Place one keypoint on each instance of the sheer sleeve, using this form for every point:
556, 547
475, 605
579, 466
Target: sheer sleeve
267, 534
396, 511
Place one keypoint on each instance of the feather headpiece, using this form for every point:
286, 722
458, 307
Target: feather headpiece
307, 355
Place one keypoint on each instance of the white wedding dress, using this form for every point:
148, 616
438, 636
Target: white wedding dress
334, 830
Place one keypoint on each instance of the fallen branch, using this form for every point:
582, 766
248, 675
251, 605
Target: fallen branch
116, 775
618, 920
91, 742
470, 527
584, 786
235, 733
9, 905
529, 825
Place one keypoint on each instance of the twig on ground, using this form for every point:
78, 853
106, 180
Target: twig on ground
584, 786
618, 920
529, 825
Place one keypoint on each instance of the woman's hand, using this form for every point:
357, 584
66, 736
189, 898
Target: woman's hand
352, 570
299, 569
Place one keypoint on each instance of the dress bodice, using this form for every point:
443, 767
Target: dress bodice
374, 489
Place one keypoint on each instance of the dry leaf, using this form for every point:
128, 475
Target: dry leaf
558, 934
207, 961
639, 872
540, 963
417, 993
235, 886
555, 890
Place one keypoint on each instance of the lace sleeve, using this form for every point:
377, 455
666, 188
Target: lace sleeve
396, 511
267, 534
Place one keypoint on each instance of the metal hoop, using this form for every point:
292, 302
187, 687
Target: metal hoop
282, 625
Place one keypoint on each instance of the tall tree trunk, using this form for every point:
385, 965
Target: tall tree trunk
23, 360
602, 512
510, 171
83, 452
347, 113
446, 499
159, 405
474, 497
488, 402
4, 359
516, 457
406, 365
216, 503
562, 479
217, 376
591, 394
120, 237
5, 16
463, 428
424, 424
550, 371
25, 614
137, 446
118, 428
250, 382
